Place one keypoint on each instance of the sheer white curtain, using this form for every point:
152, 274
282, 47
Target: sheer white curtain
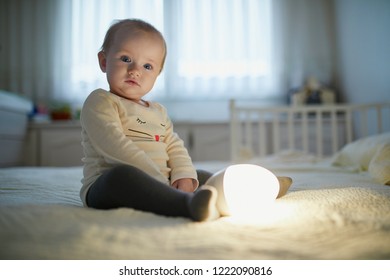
219, 49
254, 49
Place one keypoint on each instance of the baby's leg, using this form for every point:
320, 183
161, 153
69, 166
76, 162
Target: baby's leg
203, 176
127, 186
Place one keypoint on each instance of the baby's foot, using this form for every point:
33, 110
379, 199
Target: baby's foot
203, 204
284, 185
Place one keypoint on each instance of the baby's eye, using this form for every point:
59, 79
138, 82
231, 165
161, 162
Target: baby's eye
148, 67
125, 58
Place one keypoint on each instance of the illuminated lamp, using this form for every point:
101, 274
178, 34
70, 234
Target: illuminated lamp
244, 190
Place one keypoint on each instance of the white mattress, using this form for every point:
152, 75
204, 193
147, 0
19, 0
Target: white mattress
329, 213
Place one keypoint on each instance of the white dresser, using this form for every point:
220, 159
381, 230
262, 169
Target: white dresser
54, 144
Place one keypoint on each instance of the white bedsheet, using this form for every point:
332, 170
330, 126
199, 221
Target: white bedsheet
328, 213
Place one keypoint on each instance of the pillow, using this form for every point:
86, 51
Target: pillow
368, 154
360, 152
379, 167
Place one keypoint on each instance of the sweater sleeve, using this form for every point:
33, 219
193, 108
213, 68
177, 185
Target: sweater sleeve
101, 120
179, 160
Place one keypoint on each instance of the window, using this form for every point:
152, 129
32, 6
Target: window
216, 49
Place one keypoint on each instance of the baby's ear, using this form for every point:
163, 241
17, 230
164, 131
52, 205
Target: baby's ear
102, 61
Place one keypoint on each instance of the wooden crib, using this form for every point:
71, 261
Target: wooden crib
318, 129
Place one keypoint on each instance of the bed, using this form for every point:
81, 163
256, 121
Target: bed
338, 206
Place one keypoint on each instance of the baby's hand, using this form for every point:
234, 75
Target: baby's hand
185, 184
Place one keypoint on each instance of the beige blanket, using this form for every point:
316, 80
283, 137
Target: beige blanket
328, 213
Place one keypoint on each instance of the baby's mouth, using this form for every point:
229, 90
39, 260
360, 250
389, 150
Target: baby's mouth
132, 82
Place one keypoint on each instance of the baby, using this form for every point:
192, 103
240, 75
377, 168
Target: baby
132, 157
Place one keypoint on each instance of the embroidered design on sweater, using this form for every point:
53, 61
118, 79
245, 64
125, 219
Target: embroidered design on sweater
142, 135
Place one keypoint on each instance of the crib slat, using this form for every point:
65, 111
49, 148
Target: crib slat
379, 119
234, 122
333, 118
348, 122
290, 130
364, 121
275, 131
319, 133
262, 135
248, 132
305, 134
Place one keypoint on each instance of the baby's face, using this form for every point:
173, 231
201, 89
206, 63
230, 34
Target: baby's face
133, 63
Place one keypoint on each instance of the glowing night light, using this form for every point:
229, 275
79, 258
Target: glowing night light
244, 189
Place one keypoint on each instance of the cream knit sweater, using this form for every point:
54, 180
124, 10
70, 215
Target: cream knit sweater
118, 131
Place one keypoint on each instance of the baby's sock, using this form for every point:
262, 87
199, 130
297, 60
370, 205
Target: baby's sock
284, 185
202, 204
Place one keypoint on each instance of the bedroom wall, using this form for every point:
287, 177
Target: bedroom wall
363, 50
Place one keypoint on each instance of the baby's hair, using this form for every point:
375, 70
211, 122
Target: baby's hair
136, 25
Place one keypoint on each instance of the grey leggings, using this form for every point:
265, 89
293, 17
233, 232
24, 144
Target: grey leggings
128, 186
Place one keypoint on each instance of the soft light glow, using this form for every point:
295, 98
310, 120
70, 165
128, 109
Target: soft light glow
244, 190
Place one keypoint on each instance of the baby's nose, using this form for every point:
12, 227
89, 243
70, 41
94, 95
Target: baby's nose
133, 69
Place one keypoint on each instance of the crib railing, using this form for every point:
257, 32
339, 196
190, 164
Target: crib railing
318, 129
